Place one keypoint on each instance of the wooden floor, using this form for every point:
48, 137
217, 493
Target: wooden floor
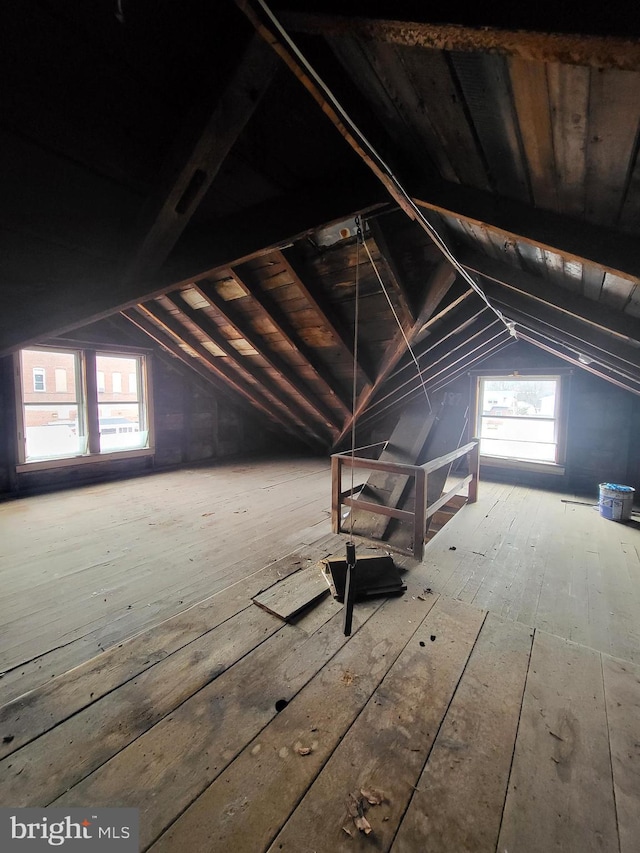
493, 707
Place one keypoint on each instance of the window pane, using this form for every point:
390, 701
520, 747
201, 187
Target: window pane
39, 381
51, 424
122, 414
121, 427
517, 418
56, 415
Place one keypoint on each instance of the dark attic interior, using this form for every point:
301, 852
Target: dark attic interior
283, 282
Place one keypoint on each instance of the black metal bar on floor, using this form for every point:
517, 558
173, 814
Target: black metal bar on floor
349, 588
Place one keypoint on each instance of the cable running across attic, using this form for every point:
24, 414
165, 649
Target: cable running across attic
395, 314
367, 150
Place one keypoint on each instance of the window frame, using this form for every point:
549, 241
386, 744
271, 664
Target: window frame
87, 404
563, 376
42, 373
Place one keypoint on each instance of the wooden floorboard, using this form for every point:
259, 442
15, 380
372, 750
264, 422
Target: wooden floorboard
560, 794
41, 709
246, 806
515, 728
84, 569
622, 695
387, 746
457, 802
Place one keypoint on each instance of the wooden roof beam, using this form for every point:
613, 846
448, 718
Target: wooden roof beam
561, 352
578, 240
547, 46
577, 347
264, 386
575, 239
195, 161
489, 336
293, 262
382, 238
441, 352
469, 313
284, 371
440, 283
572, 305
164, 340
274, 313
579, 336
171, 326
236, 238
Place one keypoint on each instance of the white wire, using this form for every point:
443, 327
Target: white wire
354, 394
395, 314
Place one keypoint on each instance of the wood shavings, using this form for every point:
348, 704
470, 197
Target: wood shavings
357, 805
363, 825
374, 796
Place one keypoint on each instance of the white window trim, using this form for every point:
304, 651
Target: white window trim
39, 371
145, 382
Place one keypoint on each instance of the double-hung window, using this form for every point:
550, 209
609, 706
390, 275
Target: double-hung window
520, 418
71, 406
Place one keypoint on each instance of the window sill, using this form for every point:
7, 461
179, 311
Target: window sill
73, 461
522, 465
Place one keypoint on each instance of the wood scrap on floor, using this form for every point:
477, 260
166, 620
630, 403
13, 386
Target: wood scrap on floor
290, 596
375, 575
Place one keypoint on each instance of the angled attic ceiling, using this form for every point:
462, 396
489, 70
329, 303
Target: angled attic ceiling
164, 167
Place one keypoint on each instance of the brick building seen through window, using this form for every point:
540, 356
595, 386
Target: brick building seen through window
54, 404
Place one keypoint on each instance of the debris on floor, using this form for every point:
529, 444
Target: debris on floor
376, 575
358, 803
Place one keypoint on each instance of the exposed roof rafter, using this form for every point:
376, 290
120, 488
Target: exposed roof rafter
284, 371
596, 51
441, 281
565, 354
168, 323
219, 382
194, 162
294, 264
276, 316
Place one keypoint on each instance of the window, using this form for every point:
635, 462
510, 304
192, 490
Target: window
123, 422
38, 379
519, 418
80, 418
133, 385
61, 380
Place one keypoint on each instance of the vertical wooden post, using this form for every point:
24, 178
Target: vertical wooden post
474, 470
336, 488
419, 513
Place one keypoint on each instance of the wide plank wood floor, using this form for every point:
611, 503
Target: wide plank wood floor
495, 706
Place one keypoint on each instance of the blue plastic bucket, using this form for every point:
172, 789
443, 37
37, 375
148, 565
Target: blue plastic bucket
616, 502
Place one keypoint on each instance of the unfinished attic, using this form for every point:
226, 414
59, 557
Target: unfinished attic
276, 282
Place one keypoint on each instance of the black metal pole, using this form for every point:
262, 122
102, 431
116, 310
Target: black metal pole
349, 588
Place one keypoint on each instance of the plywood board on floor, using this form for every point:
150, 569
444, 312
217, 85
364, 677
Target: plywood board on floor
289, 596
